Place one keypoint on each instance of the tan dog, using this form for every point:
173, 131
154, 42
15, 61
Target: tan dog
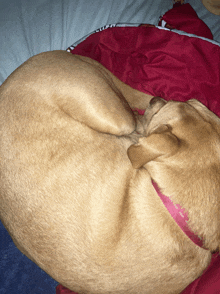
76, 190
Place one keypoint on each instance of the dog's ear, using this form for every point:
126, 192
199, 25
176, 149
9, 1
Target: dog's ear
160, 142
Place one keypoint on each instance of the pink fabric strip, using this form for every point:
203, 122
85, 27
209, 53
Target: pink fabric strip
179, 215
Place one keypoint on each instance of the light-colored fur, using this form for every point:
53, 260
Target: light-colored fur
212, 5
75, 178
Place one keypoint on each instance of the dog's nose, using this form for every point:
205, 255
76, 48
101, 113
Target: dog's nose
157, 100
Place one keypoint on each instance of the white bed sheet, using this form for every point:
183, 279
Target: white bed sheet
28, 27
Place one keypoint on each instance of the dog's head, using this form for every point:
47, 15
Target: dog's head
181, 151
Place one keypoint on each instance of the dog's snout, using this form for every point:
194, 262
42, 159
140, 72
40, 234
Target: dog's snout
157, 100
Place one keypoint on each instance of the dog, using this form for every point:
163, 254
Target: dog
77, 168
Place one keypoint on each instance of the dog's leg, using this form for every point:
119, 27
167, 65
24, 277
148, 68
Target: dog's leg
95, 99
68, 83
136, 99
81, 88
126, 94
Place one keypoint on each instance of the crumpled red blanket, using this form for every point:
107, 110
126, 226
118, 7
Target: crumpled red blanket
166, 64
184, 18
159, 62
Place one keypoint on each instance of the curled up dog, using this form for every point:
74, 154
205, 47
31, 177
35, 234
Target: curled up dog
78, 172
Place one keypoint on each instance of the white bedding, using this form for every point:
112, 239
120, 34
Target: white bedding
29, 27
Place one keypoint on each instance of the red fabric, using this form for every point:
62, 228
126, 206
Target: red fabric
159, 62
184, 18
179, 215
165, 64
62, 290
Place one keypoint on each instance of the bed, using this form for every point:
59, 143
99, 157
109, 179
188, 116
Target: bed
82, 27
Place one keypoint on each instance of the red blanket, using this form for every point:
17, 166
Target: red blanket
159, 62
166, 64
184, 18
